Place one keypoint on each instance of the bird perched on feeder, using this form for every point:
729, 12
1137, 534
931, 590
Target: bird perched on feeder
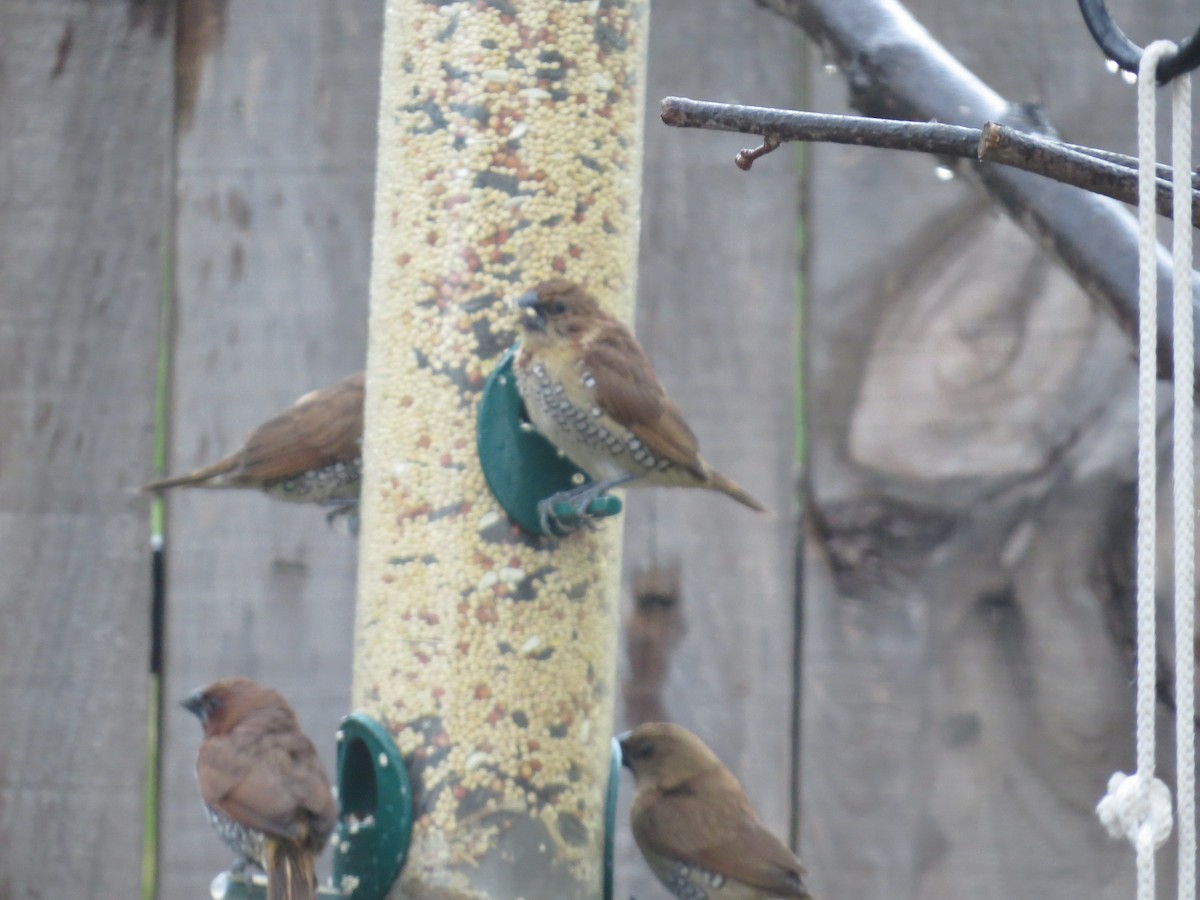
264, 787
309, 453
589, 389
695, 826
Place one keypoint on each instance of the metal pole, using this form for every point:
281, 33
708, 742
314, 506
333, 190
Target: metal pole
510, 144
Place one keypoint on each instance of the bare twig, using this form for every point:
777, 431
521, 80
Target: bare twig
895, 69
1073, 165
745, 158
994, 143
1129, 162
794, 125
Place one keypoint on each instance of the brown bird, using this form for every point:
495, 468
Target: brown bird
589, 389
309, 453
695, 826
265, 789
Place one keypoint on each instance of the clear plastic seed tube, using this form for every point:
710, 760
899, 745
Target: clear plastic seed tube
510, 138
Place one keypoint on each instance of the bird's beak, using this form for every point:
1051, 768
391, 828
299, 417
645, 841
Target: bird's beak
622, 739
533, 320
194, 703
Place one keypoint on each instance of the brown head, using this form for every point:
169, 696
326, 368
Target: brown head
663, 756
560, 308
222, 705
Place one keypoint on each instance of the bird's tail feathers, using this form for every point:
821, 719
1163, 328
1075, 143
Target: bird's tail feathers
198, 478
290, 874
728, 486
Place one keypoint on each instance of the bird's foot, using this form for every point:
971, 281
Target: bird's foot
243, 867
568, 511
561, 513
343, 513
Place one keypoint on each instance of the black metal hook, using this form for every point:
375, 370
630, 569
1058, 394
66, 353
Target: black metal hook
1126, 54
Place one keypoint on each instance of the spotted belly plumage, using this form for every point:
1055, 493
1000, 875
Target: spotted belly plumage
689, 882
245, 842
339, 482
593, 440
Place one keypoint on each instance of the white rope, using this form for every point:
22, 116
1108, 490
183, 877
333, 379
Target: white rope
1139, 806
1185, 492
1125, 794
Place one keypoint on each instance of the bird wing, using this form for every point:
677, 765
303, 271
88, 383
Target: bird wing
756, 857
265, 783
309, 785
713, 826
323, 427
628, 390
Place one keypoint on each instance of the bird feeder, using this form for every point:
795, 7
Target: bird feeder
509, 153
375, 820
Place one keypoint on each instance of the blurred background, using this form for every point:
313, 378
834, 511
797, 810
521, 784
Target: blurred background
920, 666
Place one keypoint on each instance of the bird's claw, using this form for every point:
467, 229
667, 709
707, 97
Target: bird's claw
346, 510
241, 867
558, 522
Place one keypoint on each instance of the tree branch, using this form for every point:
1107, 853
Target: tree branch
896, 70
994, 143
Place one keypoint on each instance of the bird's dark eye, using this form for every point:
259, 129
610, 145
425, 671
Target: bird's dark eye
645, 751
212, 704
558, 307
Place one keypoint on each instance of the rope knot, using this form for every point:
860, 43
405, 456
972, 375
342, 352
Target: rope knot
1126, 809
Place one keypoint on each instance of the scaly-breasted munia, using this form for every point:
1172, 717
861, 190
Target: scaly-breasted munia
263, 785
589, 389
309, 453
694, 825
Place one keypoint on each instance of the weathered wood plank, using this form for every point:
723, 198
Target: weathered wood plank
85, 101
716, 304
275, 188
965, 680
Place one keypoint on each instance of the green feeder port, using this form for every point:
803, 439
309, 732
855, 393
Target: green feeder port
520, 466
375, 810
610, 816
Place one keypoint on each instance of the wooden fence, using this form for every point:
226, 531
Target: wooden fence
962, 690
